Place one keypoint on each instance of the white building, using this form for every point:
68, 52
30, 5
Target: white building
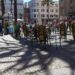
40, 13
20, 7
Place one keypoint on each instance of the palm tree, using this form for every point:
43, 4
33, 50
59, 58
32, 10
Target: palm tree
47, 2
15, 10
3, 10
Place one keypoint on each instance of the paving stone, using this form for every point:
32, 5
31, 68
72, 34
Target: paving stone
24, 62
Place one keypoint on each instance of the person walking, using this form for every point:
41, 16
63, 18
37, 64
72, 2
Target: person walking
17, 30
11, 29
21, 32
73, 29
6, 28
25, 30
0, 28
35, 31
42, 35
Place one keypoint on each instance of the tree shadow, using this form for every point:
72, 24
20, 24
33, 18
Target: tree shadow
34, 52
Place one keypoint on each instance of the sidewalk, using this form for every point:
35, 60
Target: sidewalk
31, 60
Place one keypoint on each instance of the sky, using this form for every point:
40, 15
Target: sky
29, 0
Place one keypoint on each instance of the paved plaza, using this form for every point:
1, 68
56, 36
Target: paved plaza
25, 57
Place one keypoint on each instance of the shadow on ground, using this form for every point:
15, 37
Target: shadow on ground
34, 51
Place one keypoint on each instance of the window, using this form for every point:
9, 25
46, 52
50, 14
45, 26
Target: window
51, 10
47, 10
56, 5
42, 10
42, 4
34, 10
51, 15
37, 10
56, 15
34, 15
56, 10
47, 15
37, 4
42, 15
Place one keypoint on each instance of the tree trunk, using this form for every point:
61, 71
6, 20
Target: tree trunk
48, 14
3, 10
11, 5
15, 11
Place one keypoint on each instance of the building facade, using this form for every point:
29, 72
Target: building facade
10, 8
42, 13
67, 8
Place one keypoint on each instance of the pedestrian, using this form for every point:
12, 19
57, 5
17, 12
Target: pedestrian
25, 30
6, 27
35, 31
17, 30
63, 29
0, 28
73, 29
21, 31
42, 35
11, 29
70, 25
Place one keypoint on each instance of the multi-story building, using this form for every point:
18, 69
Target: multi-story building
43, 13
10, 8
67, 8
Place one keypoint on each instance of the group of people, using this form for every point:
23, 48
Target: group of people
12, 29
65, 25
39, 31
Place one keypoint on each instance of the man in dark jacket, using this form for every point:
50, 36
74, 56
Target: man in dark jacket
73, 29
0, 28
17, 30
